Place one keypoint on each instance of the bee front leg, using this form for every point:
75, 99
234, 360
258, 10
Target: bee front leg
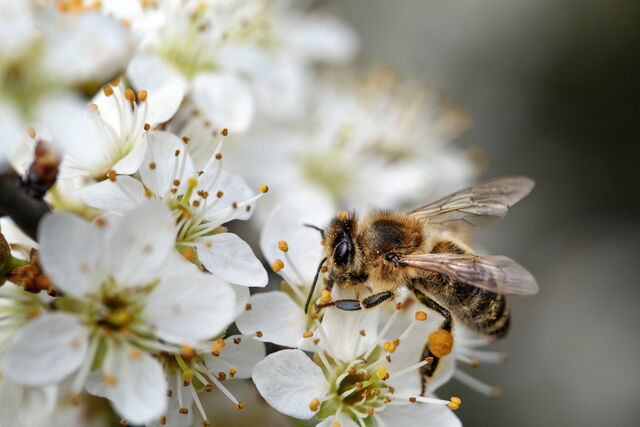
440, 342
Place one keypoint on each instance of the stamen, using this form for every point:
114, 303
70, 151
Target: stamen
477, 385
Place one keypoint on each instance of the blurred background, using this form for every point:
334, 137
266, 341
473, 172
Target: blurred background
553, 88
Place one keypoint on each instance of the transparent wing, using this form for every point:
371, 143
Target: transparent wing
497, 274
476, 206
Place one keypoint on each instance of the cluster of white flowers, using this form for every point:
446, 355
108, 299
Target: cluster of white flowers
165, 119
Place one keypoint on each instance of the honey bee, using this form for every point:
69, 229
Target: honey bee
421, 250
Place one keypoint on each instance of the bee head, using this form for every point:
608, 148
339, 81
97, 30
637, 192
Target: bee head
342, 248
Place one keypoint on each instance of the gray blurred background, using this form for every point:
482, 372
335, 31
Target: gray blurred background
553, 88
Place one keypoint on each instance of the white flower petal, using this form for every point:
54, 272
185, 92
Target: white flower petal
323, 38
288, 380
124, 195
242, 298
419, 414
160, 163
130, 163
165, 86
225, 100
140, 392
46, 350
242, 356
305, 249
74, 129
344, 328
141, 243
25, 406
71, 252
186, 308
234, 189
231, 258
343, 420
277, 316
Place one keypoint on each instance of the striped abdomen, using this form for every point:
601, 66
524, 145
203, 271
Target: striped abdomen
482, 311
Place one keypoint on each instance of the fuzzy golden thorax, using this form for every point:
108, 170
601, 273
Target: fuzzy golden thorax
366, 250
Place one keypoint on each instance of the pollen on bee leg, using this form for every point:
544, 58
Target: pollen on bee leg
343, 215
314, 405
440, 343
326, 297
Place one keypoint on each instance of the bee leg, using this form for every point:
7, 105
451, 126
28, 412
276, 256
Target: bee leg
440, 342
375, 299
342, 304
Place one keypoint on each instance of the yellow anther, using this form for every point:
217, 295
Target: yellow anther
259, 334
152, 165
187, 375
186, 139
277, 265
390, 347
187, 351
224, 132
218, 156
308, 334
109, 379
219, 194
456, 400
188, 253
453, 406
240, 405
130, 95
335, 424
192, 182
147, 126
283, 246
107, 90
115, 81
142, 95
264, 188
382, 371
111, 175
31, 132
421, 315
135, 354
314, 404
232, 372
343, 215
326, 297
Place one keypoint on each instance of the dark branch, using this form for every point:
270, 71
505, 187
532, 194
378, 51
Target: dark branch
23, 209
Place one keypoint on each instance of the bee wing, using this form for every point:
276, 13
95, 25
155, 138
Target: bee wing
476, 206
497, 274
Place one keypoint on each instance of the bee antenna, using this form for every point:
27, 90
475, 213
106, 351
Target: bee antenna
315, 227
313, 285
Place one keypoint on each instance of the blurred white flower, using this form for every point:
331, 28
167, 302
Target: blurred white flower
125, 292
351, 380
47, 54
201, 202
376, 142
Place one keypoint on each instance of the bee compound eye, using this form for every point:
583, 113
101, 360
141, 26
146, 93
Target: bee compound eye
343, 252
391, 257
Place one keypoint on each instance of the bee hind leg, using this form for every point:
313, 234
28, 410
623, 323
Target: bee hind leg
440, 342
355, 305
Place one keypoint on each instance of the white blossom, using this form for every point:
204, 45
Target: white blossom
201, 202
351, 377
126, 291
